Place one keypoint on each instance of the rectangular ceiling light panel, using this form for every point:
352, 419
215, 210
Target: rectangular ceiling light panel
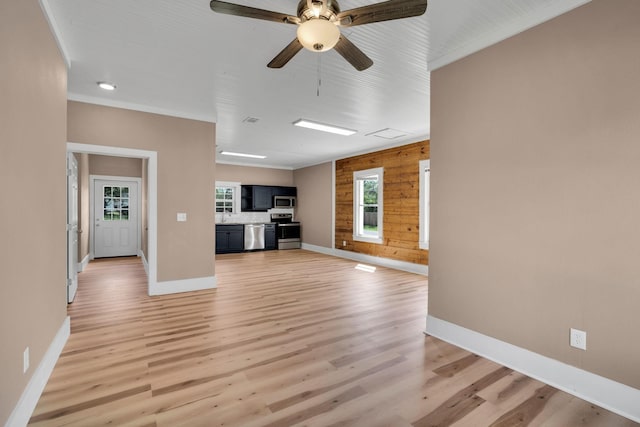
323, 127
252, 156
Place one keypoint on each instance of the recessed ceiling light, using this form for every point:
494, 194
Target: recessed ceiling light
253, 156
323, 127
106, 86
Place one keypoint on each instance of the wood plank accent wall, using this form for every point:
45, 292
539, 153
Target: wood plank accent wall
401, 195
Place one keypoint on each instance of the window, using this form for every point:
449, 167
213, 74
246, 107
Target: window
227, 197
425, 196
115, 203
367, 205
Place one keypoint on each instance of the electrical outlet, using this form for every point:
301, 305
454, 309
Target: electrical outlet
578, 339
344, 243
25, 360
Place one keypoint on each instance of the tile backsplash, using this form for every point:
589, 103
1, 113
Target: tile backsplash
249, 217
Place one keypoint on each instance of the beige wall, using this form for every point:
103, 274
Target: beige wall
84, 226
536, 189
115, 166
185, 178
248, 175
32, 170
314, 207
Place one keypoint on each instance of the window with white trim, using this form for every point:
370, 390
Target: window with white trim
367, 205
227, 197
425, 197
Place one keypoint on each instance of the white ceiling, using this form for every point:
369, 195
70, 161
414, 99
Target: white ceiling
177, 57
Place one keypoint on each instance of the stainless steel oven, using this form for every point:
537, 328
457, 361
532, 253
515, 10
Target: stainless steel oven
288, 231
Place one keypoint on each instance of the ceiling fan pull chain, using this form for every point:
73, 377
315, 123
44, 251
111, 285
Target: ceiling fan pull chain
319, 78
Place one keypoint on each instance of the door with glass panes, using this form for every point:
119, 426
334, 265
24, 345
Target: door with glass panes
115, 218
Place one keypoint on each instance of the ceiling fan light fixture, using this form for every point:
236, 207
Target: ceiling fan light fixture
323, 127
318, 35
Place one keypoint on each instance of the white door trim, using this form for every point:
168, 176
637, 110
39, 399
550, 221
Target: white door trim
92, 214
152, 195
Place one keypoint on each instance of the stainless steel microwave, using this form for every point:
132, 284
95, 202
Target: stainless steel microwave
284, 202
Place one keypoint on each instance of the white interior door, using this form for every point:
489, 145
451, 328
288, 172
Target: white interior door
72, 227
115, 228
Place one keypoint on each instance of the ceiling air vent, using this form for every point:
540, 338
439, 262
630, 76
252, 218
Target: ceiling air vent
388, 133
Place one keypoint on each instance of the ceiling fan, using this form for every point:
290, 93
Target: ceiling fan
318, 24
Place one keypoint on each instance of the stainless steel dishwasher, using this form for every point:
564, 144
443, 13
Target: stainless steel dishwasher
253, 237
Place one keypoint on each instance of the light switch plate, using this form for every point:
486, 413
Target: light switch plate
182, 217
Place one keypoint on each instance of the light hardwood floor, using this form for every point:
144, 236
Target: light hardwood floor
288, 338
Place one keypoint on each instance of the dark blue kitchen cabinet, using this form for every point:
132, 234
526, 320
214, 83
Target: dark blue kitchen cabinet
229, 238
256, 198
259, 198
270, 238
284, 191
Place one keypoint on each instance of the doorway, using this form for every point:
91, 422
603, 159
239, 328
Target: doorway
115, 216
150, 259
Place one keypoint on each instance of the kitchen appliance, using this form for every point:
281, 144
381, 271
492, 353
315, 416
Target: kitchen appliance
284, 201
253, 237
288, 231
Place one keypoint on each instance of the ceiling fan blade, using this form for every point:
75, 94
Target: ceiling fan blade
252, 12
286, 54
352, 54
385, 11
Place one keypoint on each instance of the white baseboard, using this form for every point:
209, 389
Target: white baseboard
144, 261
384, 262
185, 285
609, 394
31, 394
83, 264
319, 249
